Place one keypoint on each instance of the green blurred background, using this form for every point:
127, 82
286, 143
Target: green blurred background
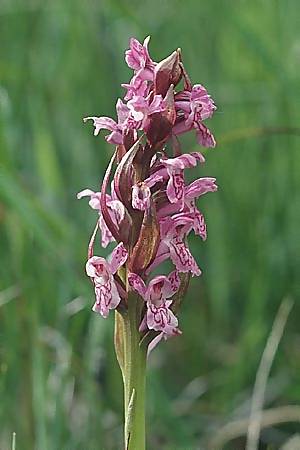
61, 60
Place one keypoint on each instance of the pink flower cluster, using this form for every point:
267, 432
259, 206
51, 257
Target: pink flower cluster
150, 210
147, 94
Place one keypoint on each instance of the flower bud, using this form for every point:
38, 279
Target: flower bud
167, 72
147, 244
124, 177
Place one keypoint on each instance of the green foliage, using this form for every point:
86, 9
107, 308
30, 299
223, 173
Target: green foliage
60, 385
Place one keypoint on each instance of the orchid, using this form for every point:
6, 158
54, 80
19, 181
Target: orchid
101, 272
192, 108
116, 212
159, 316
149, 214
136, 87
142, 107
175, 168
141, 195
125, 123
138, 58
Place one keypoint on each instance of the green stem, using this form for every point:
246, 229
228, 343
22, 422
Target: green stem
132, 359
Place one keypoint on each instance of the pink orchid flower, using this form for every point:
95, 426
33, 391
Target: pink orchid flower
141, 107
116, 210
172, 169
173, 244
159, 317
136, 87
192, 108
118, 129
138, 59
194, 190
197, 104
175, 168
101, 272
141, 193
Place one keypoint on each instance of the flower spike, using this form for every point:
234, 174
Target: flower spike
147, 212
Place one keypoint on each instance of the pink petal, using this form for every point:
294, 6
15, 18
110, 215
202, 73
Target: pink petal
153, 179
136, 87
174, 279
97, 267
179, 225
202, 105
106, 236
95, 198
122, 112
183, 101
182, 257
107, 297
200, 187
198, 156
200, 227
199, 224
157, 104
198, 91
85, 193
115, 138
166, 225
141, 195
175, 187
136, 56
139, 107
168, 208
118, 257
204, 136
158, 290
184, 161
102, 123
95, 201
145, 74
181, 127
117, 211
137, 284
145, 45
161, 319
137, 115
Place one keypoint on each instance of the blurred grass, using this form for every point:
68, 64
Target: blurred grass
60, 385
